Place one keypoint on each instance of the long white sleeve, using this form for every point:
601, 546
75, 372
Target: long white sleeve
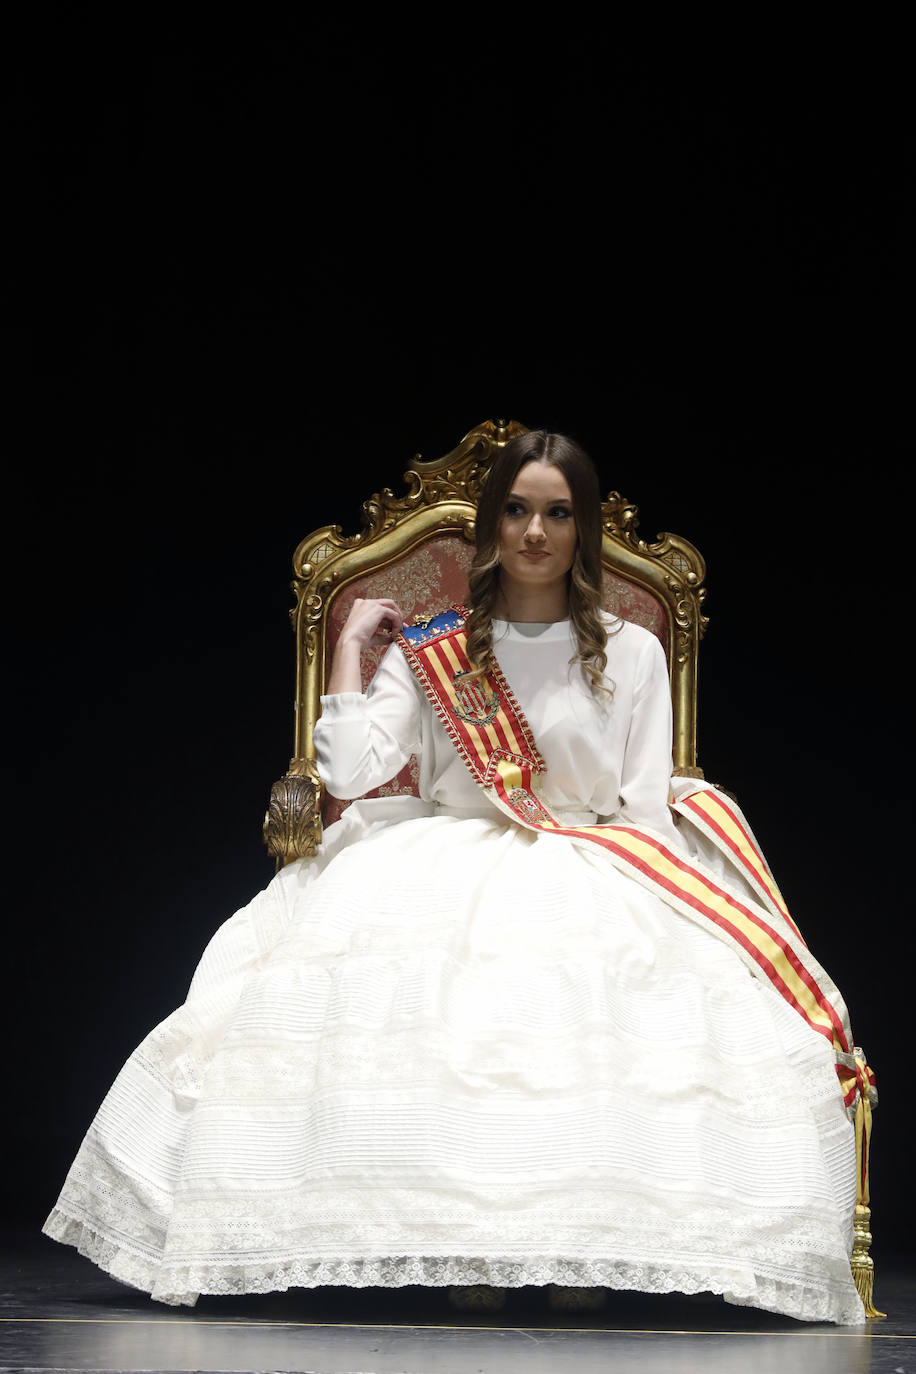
363, 739
646, 772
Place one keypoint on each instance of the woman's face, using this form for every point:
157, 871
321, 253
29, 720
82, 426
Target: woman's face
537, 534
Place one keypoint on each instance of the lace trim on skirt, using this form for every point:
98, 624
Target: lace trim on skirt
182, 1285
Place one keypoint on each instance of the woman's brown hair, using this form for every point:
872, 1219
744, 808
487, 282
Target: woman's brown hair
538, 446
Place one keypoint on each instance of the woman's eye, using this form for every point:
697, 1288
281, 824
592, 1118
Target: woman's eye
561, 512
513, 508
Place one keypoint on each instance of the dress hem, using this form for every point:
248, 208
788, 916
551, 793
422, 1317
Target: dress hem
740, 1284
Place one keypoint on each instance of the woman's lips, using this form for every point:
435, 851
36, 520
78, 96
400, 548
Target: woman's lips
535, 553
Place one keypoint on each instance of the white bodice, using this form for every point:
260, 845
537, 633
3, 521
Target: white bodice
610, 757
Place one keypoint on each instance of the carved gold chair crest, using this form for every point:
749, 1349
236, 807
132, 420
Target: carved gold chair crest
416, 549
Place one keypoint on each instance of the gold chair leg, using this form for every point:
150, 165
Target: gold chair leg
862, 1264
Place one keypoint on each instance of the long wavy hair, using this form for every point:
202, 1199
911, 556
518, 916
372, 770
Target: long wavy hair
585, 574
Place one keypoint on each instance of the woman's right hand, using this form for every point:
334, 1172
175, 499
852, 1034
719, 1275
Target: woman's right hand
369, 622
372, 622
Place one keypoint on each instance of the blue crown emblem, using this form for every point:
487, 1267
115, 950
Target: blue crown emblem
438, 625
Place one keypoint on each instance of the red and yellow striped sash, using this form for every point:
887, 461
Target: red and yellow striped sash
723, 824
489, 730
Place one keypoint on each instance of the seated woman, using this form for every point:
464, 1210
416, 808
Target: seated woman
541, 1025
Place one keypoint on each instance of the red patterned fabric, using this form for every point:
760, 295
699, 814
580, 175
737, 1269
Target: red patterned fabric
637, 605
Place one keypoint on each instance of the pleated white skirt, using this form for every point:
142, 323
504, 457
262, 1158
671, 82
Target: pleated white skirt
459, 1052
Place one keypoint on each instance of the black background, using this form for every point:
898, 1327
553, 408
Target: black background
256, 268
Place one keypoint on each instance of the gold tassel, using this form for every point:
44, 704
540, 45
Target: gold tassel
862, 1264
865, 1285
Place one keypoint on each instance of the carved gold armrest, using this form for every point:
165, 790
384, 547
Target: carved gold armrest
292, 822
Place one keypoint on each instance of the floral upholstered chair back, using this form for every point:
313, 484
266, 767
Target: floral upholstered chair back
416, 549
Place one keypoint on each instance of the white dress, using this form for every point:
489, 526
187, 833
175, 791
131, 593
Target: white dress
451, 1050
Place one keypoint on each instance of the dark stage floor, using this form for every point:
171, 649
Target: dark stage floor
60, 1313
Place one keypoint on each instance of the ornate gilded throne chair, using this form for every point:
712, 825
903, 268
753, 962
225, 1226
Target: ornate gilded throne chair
416, 549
